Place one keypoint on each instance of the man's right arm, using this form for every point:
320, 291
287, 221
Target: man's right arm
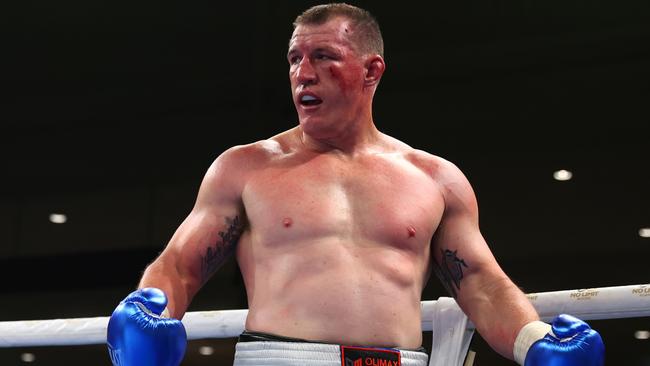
206, 238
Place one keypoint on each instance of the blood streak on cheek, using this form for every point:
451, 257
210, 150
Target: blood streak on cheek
344, 81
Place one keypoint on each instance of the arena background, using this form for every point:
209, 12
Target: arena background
112, 111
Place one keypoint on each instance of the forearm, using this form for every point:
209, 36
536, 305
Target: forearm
164, 274
499, 310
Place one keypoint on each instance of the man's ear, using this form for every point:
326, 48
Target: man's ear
375, 67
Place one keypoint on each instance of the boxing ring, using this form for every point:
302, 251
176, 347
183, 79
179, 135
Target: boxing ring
452, 332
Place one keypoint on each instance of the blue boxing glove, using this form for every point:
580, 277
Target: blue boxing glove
139, 336
567, 342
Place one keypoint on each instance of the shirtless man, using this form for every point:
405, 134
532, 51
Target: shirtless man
336, 228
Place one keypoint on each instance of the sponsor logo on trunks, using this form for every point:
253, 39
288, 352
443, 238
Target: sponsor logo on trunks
367, 356
358, 362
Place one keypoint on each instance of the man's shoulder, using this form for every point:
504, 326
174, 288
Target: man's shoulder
454, 185
234, 166
424, 160
435, 166
252, 154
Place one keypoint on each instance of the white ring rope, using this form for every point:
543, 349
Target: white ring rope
588, 304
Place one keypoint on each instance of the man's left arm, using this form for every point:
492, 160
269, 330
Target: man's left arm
465, 265
500, 311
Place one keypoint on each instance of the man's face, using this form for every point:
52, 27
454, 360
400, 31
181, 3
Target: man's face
327, 76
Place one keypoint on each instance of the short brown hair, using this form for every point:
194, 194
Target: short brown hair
366, 34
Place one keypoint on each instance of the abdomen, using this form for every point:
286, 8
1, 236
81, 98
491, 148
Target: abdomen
337, 292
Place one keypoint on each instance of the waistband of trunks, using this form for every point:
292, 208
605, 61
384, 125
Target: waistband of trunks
249, 336
272, 353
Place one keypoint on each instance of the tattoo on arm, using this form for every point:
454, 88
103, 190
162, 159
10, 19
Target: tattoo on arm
215, 255
450, 271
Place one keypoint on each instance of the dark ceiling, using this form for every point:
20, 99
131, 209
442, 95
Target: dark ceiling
112, 111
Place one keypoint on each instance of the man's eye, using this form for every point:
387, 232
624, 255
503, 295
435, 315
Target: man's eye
323, 57
294, 60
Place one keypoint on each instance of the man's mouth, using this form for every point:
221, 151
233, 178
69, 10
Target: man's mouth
310, 100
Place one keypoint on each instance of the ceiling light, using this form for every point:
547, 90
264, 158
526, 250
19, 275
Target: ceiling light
206, 350
562, 175
56, 218
642, 334
27, 357
644, 232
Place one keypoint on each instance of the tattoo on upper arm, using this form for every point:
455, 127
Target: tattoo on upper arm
217, 254
450, 271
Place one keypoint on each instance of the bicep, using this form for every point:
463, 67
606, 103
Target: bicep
461, 257
210, 233
203, 242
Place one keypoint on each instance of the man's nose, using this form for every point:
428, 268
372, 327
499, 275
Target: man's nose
306, 74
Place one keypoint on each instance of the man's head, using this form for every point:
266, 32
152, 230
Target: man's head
366, 35
335, 63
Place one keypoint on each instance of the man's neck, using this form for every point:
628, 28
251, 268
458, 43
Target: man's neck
350, 142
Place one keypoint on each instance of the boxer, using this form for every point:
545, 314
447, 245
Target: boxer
336, 228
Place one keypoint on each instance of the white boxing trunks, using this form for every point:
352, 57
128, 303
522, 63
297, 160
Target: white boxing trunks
261, 349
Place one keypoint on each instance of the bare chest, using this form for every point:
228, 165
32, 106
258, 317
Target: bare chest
375, 200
